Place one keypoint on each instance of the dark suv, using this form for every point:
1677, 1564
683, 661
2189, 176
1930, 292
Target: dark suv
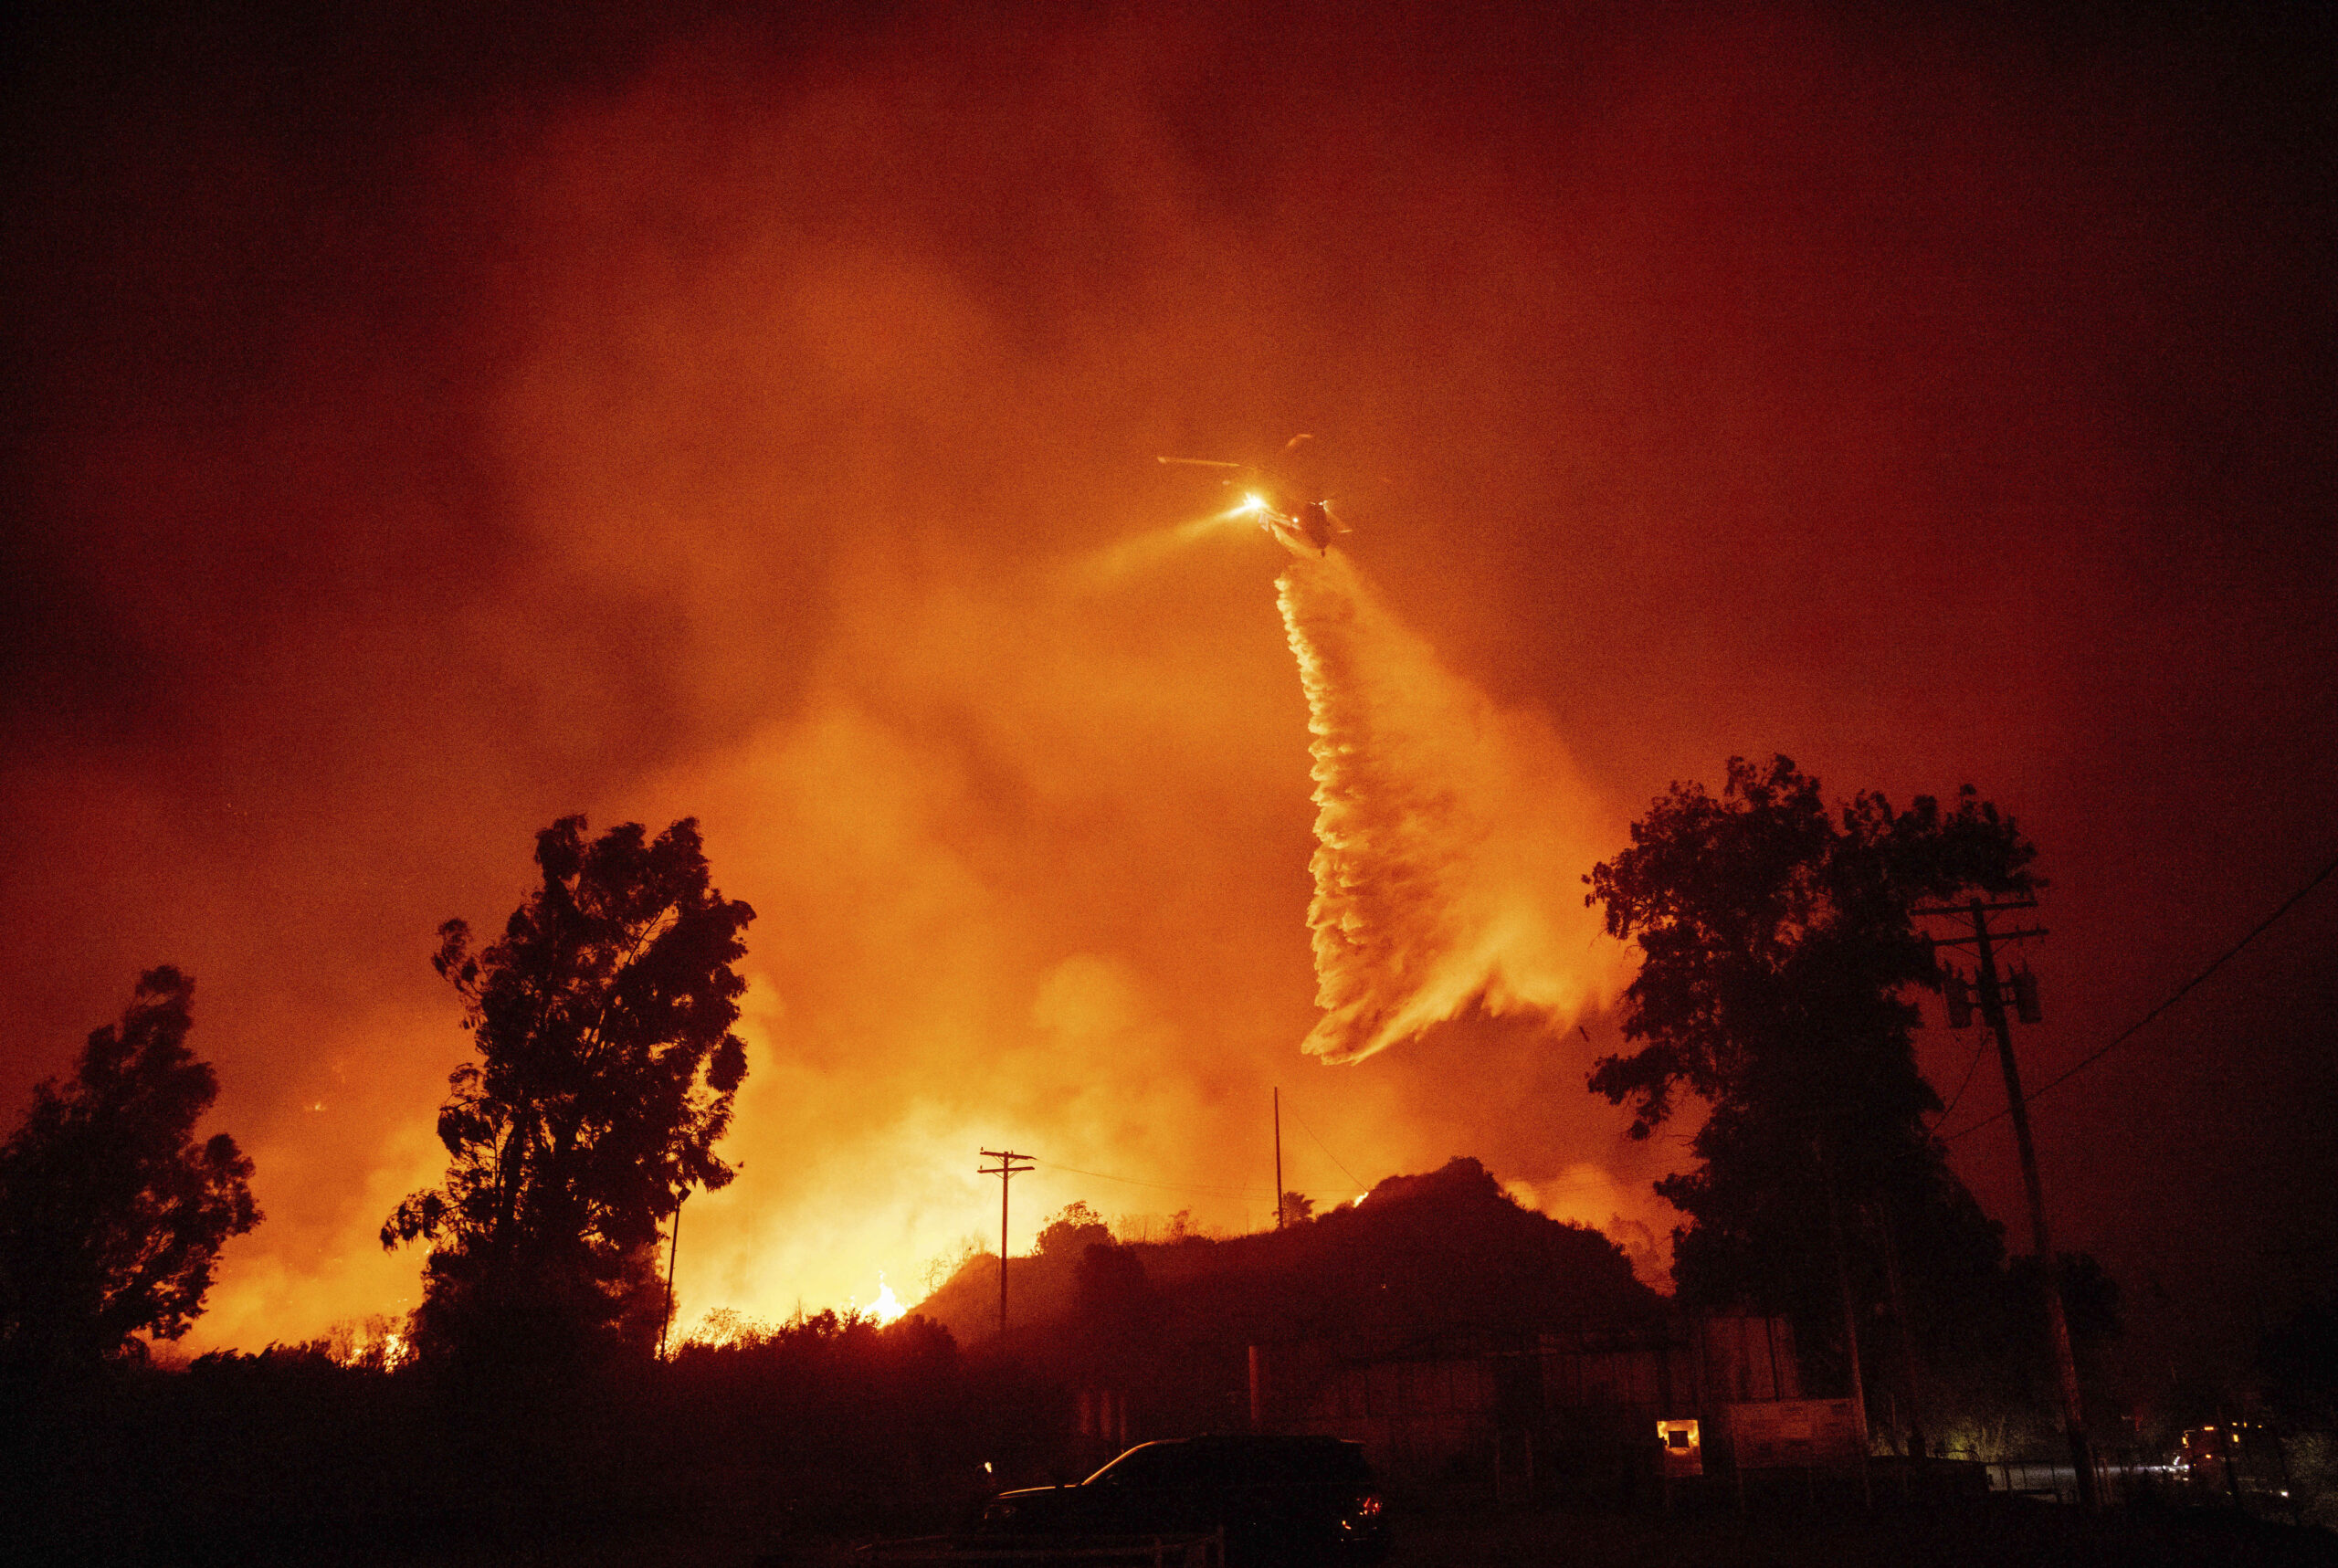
1279, 1499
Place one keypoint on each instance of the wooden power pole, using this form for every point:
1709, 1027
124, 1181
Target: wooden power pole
1278, 1093
1006, 1170
1993, 1012
673, 1250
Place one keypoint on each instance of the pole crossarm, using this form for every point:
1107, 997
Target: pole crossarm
1974, 911
1010, 1166
1968, 908
1994, 936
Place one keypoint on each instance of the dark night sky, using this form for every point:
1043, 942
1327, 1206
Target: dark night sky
424, 423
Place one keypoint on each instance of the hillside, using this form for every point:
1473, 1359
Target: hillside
1420, 1256
1167, 1325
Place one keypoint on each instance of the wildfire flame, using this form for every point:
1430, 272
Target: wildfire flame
1452, 834
887, 1307
372, 1342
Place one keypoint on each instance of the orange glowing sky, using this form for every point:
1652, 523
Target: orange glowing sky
424, 430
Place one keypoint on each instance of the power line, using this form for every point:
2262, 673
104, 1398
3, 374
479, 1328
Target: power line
2123, 1036
1607, 1181
1541, 1191
1949, 1108
1138, 1182
1351, 1176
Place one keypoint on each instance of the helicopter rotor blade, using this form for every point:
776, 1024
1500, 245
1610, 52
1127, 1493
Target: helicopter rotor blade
1200, 462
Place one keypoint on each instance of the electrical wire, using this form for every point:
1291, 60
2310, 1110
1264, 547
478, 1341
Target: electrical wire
1949, 1108
2123, 1036
1607, 1181
1351, 1176
1164, 1186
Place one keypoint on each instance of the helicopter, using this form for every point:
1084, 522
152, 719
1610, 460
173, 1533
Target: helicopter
1272, 494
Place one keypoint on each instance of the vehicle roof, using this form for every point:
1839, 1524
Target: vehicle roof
1256, 1457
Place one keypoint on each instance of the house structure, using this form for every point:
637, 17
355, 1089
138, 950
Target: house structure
1525, 1409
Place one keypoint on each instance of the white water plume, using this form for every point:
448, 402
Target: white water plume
1452, 836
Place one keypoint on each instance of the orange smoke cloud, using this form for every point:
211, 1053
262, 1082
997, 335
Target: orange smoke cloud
714, 432
1452, 835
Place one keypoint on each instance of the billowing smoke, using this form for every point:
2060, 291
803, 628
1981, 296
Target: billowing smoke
1452, 835
419, 436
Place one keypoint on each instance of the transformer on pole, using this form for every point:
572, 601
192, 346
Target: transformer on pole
2022, 985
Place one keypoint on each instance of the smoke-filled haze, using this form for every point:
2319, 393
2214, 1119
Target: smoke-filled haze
424, 428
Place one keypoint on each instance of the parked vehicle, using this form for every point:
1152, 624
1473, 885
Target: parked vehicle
1297, 1501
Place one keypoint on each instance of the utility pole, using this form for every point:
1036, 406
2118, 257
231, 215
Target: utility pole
673, 1248
1006, 1170
1851, 1312
1993, 1012
1915, 1445
1278, 1159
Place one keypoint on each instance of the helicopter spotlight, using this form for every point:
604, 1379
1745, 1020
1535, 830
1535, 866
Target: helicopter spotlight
1273, 494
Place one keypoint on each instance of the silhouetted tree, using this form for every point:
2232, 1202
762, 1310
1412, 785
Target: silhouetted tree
940, 1269
1297, 1208
1071, 1231
605, 1076
1777, 950
112, 1214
